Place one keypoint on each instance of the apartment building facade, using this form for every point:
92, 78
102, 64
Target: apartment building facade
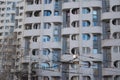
7, 18
66, 40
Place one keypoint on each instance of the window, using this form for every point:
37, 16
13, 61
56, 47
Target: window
47, 12
75, 50
47, 1
46, 51
21, 8
57, 5
35, 66
116, 21
56, 38
6, 33
86, 78
75, 65
75, 23
95, 51
6, 27
1, 34
117, 64
85, 64
35, 51
107, 78
29, 2
85, 36
29, 14
117, 77
8, 8
85, 23
75, 78
116, 35
95, 37
47, 25
75, 11
46, 38
86, 50
45, 65
96, 16
7, 14
45, 78
35, 39
36, 26
56, 13
37, 13
28, 26
116, 8
37, 1
85, 10
74, 37
19, 33
56, 55
1, 27
55, 65
56, 34
95, 65
56, 78
115, 49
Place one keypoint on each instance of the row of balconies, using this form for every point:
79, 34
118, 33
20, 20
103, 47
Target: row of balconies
82, 70
65, 31
65, 5
46, 19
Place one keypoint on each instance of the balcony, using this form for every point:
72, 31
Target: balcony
75, 17
109, 15
86, 71
33, 7
66, 57
31, 32
35, 45
110, 42
69, 30
96, 29
111, 71
67, 5
53, 19
92, 57
33, 19
92, 3
115, 28
52, 45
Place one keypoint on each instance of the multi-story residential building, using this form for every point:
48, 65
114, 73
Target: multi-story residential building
66, 39
7, 18
7, 47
